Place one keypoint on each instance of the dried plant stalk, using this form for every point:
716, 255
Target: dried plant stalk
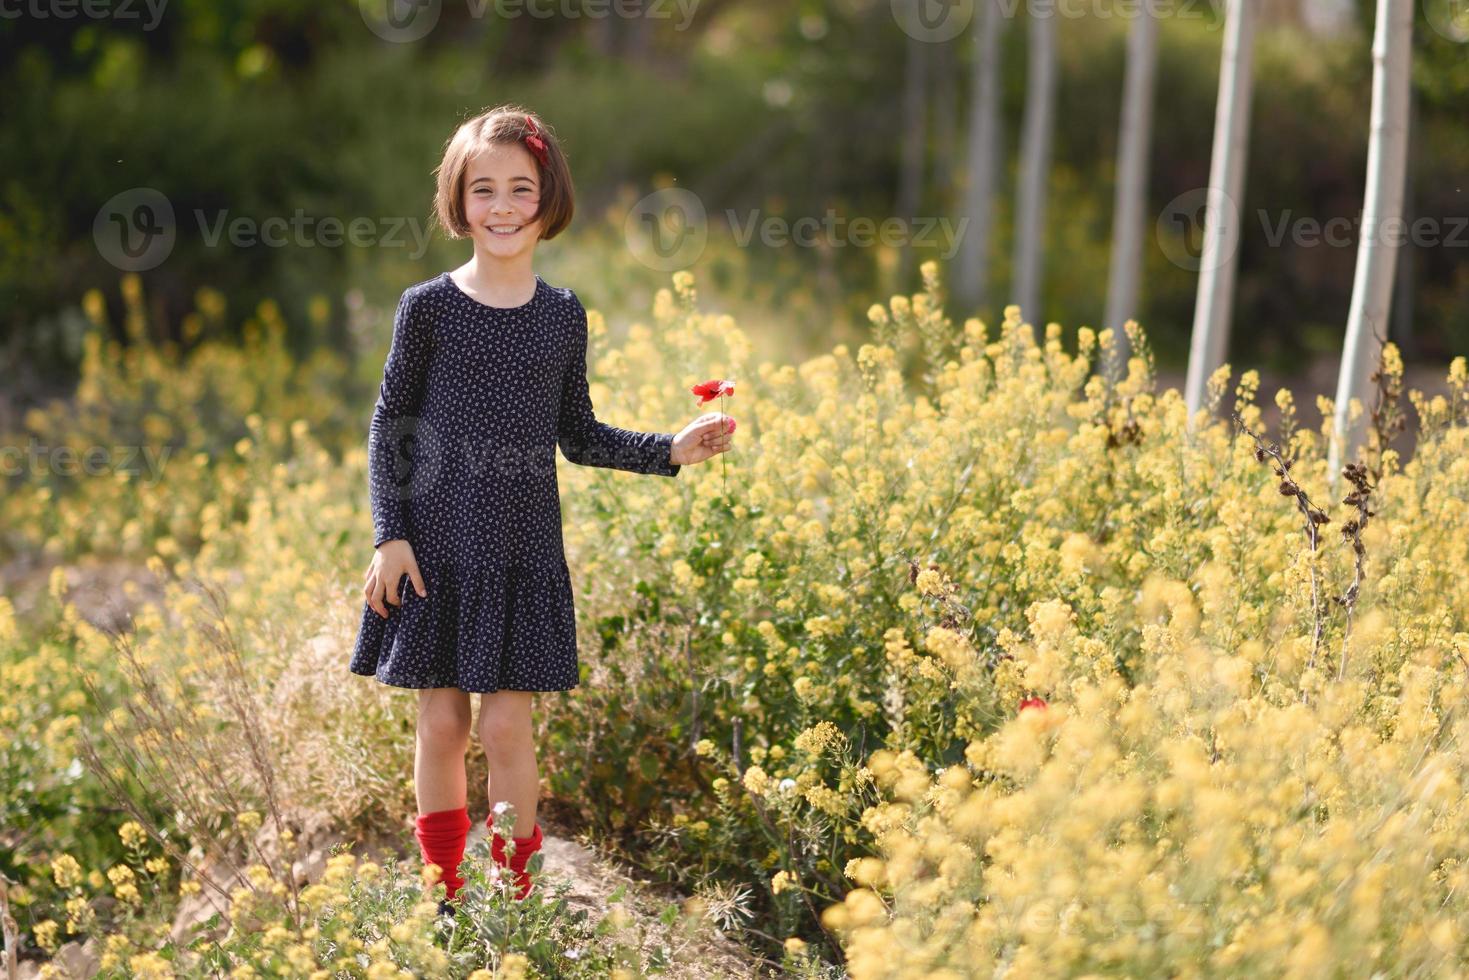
1312, 518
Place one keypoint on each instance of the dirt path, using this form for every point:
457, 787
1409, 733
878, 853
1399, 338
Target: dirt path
592, 880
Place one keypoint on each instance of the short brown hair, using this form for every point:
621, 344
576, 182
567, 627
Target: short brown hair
503, 124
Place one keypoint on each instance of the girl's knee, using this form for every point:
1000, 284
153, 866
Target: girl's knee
498, 735
504, 721
443, 717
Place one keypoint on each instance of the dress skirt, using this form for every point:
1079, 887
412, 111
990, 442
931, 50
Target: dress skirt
480, 628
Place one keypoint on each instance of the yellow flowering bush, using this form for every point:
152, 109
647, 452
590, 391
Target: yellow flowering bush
990, 659
162, 444
956, 520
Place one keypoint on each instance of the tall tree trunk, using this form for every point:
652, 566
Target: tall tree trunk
982, 159
1130, 195
1220, 257
910, 179
1035, 163
1382, 209
1401, 321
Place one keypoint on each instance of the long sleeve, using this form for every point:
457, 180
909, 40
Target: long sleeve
588, 442
392, 435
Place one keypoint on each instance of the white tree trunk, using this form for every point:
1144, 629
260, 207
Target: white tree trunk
1225, 194
1382, 230
982, 163
1035, 163
1130, 196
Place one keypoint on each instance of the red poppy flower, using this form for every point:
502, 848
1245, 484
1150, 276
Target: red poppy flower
712, 389
708, 391
1032, 703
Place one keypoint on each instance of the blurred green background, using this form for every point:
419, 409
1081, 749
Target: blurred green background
276, 108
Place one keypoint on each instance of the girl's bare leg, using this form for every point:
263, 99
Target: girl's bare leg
506, 734
443, 739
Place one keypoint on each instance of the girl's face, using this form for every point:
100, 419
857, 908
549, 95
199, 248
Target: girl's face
502, 190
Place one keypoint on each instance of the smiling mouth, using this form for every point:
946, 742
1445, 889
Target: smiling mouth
503, 231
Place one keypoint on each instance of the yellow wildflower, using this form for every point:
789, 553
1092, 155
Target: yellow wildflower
756, 781
66, 871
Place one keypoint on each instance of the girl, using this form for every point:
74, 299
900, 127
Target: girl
485, 376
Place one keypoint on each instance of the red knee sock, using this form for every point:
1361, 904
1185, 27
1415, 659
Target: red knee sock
441, 836
524, 848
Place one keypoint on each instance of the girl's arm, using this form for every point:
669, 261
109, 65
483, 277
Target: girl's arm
588, 442
395, 420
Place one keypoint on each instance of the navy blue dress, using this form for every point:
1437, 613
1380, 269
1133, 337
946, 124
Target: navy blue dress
462, 462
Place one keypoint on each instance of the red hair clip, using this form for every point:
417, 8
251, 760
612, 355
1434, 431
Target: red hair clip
536, 144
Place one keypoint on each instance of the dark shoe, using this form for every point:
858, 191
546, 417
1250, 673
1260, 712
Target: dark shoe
447, 908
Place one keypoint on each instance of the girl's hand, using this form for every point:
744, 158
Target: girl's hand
392, 560
702, 438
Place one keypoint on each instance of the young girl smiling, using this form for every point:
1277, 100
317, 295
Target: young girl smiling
485, 377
